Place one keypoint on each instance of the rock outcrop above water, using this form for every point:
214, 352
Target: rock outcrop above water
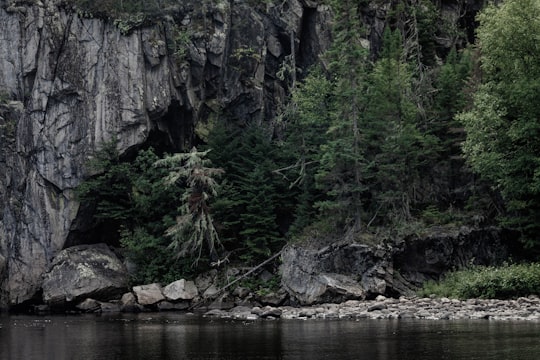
343, 271
84, 271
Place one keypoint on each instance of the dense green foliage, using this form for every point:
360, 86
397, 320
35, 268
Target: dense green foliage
503, 126
369, 142
253, 198
366, 134
132, 206
505, 282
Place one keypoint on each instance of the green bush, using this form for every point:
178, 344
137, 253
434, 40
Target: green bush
130, 197
152, 258
505, 282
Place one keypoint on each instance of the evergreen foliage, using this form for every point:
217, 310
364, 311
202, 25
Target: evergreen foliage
366, 133
340, 174
402, 150
108, 190
253, 196
312, 102
130, 197
194, 228
371, 158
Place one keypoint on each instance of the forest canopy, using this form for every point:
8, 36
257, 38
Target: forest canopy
369, 147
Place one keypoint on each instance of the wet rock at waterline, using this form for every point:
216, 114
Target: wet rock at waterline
314, 274
84, 271
180, 290
149, 294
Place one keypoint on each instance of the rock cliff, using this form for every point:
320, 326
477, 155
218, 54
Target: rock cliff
71, 81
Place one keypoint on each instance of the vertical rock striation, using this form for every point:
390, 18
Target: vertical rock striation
69, 83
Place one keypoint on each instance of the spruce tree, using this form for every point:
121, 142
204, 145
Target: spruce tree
194, 229
247, 209
341, 173
402, 151
311, 108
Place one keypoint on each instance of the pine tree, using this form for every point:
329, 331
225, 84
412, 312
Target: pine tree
340, 174
247, 209
402, 149
450, 97
308, 121
194, 229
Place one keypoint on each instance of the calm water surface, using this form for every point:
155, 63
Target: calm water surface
180, 336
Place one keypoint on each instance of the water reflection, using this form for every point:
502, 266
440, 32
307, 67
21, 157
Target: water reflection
178, 336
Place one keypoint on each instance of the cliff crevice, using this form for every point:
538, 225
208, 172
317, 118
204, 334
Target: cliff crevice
71, 82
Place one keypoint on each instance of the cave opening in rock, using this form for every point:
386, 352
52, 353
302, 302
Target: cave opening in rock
171, 132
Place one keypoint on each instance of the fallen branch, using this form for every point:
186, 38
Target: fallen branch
219, 291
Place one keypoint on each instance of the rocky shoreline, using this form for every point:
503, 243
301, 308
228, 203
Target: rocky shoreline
91, 279
382, 308
403, 308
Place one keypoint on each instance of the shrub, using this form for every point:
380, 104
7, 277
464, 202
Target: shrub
505, 282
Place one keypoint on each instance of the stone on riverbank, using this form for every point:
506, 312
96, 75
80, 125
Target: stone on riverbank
84, 271
128, 303
149, 294
180, 290
315, 272
403, 308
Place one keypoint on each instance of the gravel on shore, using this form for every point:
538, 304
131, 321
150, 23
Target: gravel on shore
524, 308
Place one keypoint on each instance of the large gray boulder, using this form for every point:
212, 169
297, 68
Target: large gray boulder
180, 290
333, 273
84, 271
149, 294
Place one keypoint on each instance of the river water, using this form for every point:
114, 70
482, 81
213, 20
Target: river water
183, 336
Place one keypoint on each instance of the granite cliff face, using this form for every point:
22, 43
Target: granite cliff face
70, 82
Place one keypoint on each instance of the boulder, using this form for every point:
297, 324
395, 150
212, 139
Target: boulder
274, 298
128, 303
169, 306
211, 292
206, 280
84, 271
149, 294
271, 312
325, 275
180, 290
345, 269
89, 305
241, 292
